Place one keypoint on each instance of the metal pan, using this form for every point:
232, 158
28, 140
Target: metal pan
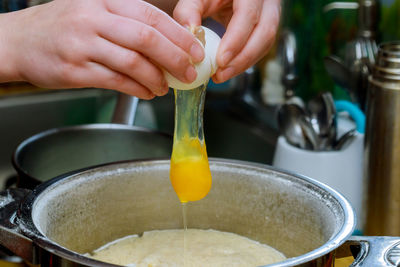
68, 216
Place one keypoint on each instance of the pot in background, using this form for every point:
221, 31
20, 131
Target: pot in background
61, 150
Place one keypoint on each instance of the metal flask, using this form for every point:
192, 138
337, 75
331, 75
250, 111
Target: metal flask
382, 147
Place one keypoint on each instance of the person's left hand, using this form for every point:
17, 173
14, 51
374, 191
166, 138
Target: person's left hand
251, 29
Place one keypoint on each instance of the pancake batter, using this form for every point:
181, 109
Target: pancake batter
203, 248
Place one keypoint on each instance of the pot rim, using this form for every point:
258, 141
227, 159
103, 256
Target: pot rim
16, 162
27, 226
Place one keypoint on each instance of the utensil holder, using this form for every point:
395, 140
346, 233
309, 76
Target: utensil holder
342, 170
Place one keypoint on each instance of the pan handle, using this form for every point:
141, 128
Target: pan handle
125, 109
10, 233
377, 251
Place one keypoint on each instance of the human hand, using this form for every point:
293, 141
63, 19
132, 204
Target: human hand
113, 44
251, 29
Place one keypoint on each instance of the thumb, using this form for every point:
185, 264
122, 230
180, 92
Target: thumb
189, 12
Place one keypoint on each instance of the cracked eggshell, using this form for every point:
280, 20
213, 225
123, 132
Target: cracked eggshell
204, 69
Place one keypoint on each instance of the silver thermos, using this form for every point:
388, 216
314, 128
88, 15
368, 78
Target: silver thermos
382, 143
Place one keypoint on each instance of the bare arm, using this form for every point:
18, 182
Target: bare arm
113, 44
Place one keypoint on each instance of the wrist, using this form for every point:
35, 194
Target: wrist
8, 48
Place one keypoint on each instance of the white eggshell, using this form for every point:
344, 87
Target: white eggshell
204, 69
213, 40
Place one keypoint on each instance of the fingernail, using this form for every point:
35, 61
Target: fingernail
164, 88
165, 85
190, 74
197, 52
226, 57
226, 74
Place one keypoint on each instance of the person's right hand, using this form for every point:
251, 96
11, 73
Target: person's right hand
113, 44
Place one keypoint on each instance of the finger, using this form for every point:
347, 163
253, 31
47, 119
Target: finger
99, 76
245, 17
258, 44
150, 43
132, 64
189, 12
154, 17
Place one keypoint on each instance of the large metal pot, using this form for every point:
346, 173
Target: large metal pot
73, 214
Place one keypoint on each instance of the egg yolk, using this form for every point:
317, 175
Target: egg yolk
190, 172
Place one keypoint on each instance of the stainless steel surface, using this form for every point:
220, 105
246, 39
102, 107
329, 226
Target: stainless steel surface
290, 118
388, 63
287, 51
379, 251
125, 109
61, 150
10, 236
312, 127
329, 131
382, 147
319, 115
309, 133
345, 139
77, 213
24, 115
339, 72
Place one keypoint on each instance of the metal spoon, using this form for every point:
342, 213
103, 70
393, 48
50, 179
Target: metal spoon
330, 128
311, 136
345, 140
289, 117
322, 113
315, 108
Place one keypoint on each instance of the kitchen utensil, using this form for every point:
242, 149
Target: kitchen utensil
339, 72
289, 117
318, 123
125, 109
316, 111
382, 146
76, 213
312, 139
288, 52
322, 113
329, 127
345, 140
342, 169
